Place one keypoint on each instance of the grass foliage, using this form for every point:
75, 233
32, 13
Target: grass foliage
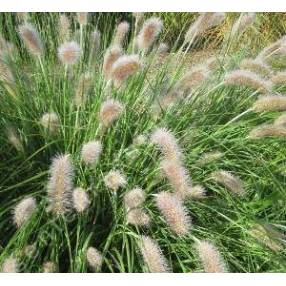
249, 231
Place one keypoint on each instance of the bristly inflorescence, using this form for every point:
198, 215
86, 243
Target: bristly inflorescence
210, 257
60, 184
174, 212
153, 256
24, 210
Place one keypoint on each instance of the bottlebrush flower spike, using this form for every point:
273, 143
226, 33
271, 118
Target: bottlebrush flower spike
249, 79
60, 184
270, 103
91, 152
177, 177
84, 84
80, 200
124, 67
197, 192
167, 143
114, 180
272, 49
14, 139
31, 38
82, 18
163, 48
134, 198
242, 23
191, 79
233, 183
10, 265
109, 112
256, 66
267, 130
94, 258
174, 213
6, 74
95, 41
138, 217
64, 27
69, 53
49, 267
204, 21
210, 257
208, 157
111, 56
281, 120
279, 78
121, 32
23, 211
149, 33
51, 122
153, 256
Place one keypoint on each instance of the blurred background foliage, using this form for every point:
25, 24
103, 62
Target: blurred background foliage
268, 26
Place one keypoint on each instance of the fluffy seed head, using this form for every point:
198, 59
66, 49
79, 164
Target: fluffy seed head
138, 217
256, 66
49, 267
197, 192
153, 256
174, 213
124, 67
267, 236
95, 40
5, 72
191, 79
177, 177
80, 200
270, 103
51, 122
111, 56
279, 78
249, 79
233, 183
272, 49
69, 53
91, 151
121, 32
82, 18
281, 120
134, 198
267, 130
109, 112
23, 211
167, 143
10, 265
31, 39
64, 27
82, 89
208, 157
94, 258
242, 23
114, 180
149, 33
14, 139
203, 22
210, 257
60, 184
